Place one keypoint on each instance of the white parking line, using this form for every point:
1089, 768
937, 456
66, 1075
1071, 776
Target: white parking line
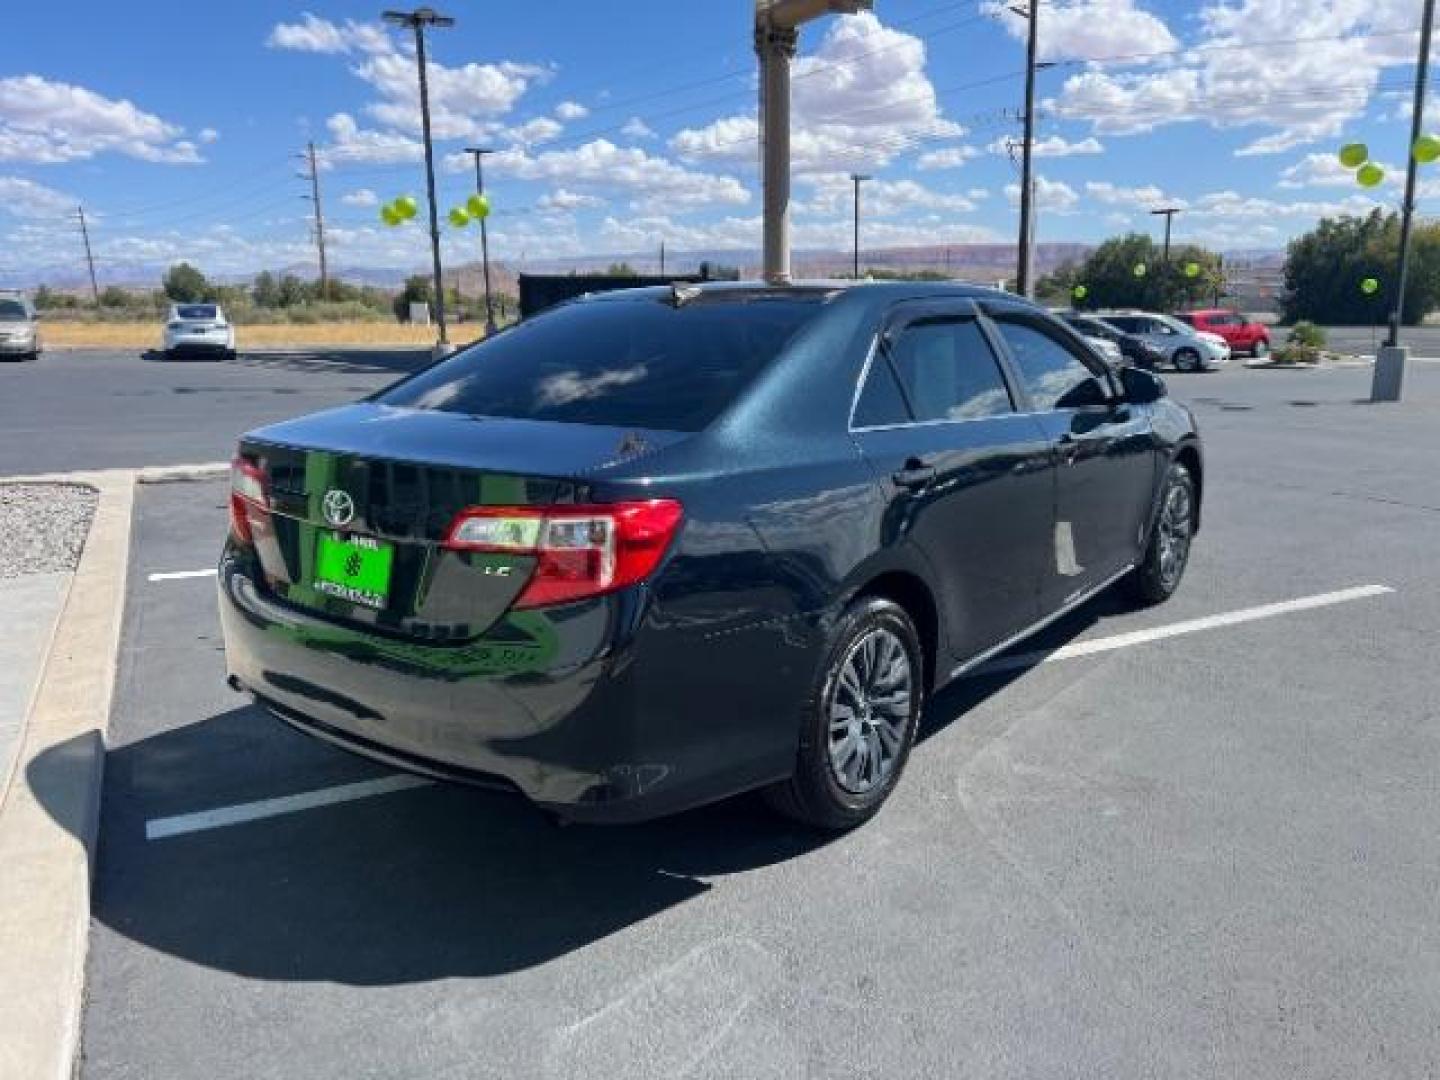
160, 828
180, 575
1189, 626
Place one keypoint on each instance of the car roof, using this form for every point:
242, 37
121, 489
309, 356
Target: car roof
830, 288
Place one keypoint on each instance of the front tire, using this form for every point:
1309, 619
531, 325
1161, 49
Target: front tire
1167, 552
859, 723
1187, 360
1261, 350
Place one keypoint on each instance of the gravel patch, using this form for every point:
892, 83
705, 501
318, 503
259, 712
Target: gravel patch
43, 527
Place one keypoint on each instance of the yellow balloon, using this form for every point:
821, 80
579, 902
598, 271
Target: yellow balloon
1192, 269
406, 207
1353, 155
1141, 270
389, 216
479, 206
459, 217
1369, 286
1080, 292
1427, 149
1370, 174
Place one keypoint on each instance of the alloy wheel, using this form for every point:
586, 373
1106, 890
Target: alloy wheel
1176, 528
869, 709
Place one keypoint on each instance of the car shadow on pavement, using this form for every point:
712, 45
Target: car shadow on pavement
339, 361
411, 886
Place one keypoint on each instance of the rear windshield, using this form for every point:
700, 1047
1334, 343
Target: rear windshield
13, 311
628, 363
196, 311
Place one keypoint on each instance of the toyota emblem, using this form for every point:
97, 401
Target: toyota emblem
339, 507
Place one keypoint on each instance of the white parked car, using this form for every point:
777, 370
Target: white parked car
1182, 345
19, 327
198, 328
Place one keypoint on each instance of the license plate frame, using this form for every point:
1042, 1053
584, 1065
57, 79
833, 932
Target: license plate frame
354, 567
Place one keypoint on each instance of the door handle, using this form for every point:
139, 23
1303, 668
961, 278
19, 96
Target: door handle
915, 474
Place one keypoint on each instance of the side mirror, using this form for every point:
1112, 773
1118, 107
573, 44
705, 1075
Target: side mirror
1141, 387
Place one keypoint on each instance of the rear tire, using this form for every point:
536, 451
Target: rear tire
1261, 350
859, 723
1167, 552
1187, 360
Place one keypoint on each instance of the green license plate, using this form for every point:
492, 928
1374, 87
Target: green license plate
354, 568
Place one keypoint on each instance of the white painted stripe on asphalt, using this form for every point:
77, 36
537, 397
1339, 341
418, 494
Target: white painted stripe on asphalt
181, 575
1189, 626
160, 828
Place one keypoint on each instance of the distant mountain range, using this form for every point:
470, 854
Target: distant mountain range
986, 263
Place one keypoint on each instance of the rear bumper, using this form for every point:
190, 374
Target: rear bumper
13, 347
573, 718
217, 342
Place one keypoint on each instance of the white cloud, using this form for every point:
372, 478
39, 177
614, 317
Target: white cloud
46, 122
1054, 196
654, 182
1054, 146
635, 128
1233, 206
539, 130
462, 99
25, 198
952, 157
1144, 198
315, 35
564, 199
571, 110
1325, 170
859, 102
1086, 28
361, 197
351, 144
208, 135
833, 193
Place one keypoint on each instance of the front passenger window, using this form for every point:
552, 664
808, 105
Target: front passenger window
1055, 377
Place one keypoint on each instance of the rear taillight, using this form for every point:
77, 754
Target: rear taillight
249, 500
580, 551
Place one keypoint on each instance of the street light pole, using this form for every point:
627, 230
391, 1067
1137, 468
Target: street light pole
417, 21
856, 179
1407, 211
1168, 213
479, 152
1023, 268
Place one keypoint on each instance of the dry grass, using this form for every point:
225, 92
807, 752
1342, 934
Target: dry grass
280, 335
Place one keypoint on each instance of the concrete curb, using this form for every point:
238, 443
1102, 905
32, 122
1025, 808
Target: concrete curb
174, 474
50, 815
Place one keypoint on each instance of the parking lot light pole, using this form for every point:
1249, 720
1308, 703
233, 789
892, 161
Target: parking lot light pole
777, 26
1388, 380
479, 152
857, 179
417, 21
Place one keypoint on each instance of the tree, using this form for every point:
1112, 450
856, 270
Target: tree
113, 296
417, 290
264, 291
621, 269
1325, 267
292, 291
184, 284
1110, 280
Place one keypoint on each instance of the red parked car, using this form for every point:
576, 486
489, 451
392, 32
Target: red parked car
1239, 333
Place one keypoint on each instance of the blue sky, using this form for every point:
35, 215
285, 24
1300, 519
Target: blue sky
177, 125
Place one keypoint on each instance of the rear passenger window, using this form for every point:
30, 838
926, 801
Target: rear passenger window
880, 404
947, 371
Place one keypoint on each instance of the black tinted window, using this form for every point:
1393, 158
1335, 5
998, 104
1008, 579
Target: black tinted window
1128, 324
880, 402
627, 363
196, 311
13, 311
948, 371
1054, 376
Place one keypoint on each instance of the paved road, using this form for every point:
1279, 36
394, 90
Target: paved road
90, 409
1362, 340
1212, 854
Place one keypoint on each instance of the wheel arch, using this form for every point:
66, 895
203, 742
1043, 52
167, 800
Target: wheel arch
1188, 454
909, 590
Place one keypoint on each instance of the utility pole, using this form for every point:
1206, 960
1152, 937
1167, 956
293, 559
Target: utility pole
319, 220
1389, 378
777, 34
89, 257
857, 179
479, 152
662, 258
1168, 213
1023, 284
417, 21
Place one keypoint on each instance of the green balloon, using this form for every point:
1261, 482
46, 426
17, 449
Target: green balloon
389, 216
1426, 149
1353, 155
1370, 174
406, 207
1080, 292
479, 206
459, 217
1369, 286
1141, 270
1192, 269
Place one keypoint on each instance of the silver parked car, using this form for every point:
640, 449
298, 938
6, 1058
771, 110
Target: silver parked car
1183, 346
19, 327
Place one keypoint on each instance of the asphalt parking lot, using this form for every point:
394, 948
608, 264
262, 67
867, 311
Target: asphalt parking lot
93, 409
1196, 840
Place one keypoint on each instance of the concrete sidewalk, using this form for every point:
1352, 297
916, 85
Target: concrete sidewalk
32, 605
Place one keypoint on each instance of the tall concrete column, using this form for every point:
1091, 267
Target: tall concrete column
775, 46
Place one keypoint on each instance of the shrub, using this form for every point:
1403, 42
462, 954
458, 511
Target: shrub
1306, 334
